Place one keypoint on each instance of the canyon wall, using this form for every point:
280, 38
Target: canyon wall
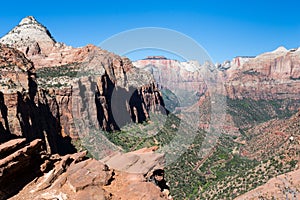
272, 75
99, 88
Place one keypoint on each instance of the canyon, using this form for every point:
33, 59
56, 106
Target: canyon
54, 96
136, 93
39, 109
262, 100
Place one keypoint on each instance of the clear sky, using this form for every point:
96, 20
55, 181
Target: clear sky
224, 28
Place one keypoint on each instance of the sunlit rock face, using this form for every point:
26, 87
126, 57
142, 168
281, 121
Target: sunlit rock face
87, 83
272, 75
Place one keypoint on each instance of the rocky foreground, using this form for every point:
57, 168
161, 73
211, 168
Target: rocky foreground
28, 172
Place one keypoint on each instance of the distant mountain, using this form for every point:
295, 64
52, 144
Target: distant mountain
184, 79
256, 88
272, 75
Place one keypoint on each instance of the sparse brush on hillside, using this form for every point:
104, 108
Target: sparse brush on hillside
224, 173
69, 70
248, 112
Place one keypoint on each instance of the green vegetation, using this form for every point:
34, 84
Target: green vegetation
69, 70
182, 98
188, 182
170, 99
224, 173
249, 112
233, 185
251, 72
10, 85
293, 163
135, 136
77, 143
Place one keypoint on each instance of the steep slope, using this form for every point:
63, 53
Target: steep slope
263, 87
285, 186
272, 75
85, 81
273, 148
15, 69
26, 110
275, 137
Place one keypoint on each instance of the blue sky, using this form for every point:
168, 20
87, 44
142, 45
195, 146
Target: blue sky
224, 28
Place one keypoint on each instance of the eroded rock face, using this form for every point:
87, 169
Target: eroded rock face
173, 74
19, 164
15, 69
27, 110
114, 93
273, 75
97, 84
72, 176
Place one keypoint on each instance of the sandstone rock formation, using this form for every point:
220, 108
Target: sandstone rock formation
273, 75
19, 163
28, 172
27, 110
269, 76
15, 69
141, 161
97, 84
30, 37
173, 74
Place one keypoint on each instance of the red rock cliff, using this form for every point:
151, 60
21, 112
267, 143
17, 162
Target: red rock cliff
273, 75
104, 90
